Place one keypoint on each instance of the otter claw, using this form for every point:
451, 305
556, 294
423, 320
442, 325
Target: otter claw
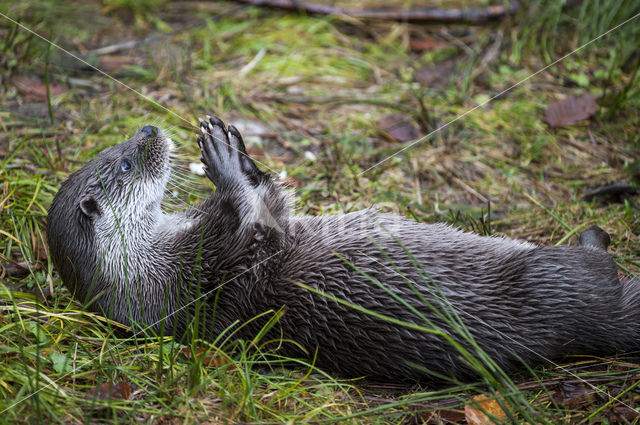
216, 121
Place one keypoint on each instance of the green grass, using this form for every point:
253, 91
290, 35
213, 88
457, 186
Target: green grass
318, 87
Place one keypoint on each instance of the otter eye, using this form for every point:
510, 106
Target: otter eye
126, 165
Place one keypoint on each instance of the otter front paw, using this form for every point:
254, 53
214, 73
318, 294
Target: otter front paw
224, 154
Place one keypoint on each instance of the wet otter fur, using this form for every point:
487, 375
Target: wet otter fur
240, 253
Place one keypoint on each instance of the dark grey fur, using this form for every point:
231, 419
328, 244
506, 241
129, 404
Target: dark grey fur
596, 237
113, 246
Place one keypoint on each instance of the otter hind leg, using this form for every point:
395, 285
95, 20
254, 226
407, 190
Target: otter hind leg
595, 237
225, 155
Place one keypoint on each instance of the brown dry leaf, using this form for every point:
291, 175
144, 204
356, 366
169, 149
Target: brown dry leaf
17, 269
398, 128
425, 44
113, 63
111, 391
435, 76
573, 396
35, 89
569, 110
623, 414
215, 360
475, 416
255, 151
40, 247
443, 416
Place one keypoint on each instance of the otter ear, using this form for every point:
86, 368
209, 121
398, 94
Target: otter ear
89, 207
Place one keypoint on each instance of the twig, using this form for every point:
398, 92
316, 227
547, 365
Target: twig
337, 100
534, 385
127, 45
420, 15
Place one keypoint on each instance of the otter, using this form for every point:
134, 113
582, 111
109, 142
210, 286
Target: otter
365, 293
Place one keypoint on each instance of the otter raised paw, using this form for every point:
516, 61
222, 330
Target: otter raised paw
224, 154
250, 193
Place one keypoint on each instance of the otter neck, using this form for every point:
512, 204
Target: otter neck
137, 264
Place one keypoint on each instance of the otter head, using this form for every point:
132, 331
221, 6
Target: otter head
106, 211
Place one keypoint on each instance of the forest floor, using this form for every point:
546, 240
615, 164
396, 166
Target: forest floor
503, 127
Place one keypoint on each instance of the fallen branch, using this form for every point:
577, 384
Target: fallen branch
421, 15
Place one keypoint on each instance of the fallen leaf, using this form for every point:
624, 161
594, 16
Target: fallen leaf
623, 414
18, 269
111, 391
569, 110
398, 128
443, 416
40, 247
435, 76
254, 151
573, 396
35, 89
477, 416
114, 63
424, 44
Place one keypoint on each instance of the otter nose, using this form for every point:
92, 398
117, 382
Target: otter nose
149, 131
